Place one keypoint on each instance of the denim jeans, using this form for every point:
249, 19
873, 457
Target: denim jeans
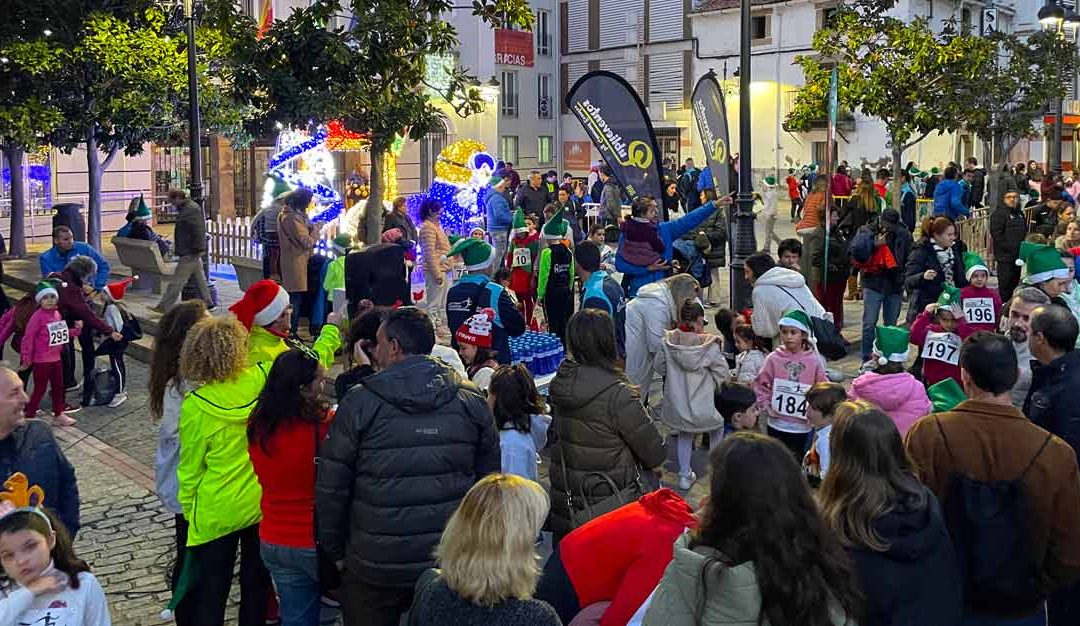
974, 619
296, 577
873, 303
500, 241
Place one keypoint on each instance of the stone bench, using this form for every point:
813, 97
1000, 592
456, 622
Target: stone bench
144, 258
248, 271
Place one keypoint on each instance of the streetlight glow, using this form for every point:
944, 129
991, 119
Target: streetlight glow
1051, 15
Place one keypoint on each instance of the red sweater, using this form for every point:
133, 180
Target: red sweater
287, 476
936, 370
991, 325
620, 557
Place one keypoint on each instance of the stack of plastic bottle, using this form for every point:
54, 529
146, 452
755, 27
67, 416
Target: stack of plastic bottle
540, 352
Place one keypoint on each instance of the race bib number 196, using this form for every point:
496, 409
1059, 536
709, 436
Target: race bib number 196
943, 347
979, 311
789, 398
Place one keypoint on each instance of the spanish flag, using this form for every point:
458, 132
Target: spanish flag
266, 18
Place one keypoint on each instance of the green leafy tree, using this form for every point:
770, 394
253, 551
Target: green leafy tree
116, 72
370, 74
899, 72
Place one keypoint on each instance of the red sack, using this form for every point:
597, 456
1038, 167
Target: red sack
880, 261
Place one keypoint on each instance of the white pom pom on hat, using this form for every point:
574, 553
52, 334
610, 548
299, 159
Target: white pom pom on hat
882, 360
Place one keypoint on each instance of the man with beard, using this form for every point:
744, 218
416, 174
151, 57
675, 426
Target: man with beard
1018, 326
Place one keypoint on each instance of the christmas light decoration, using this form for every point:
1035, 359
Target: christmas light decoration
453, 163
314, 172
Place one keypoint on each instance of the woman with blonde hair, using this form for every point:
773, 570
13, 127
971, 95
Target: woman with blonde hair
488, 558
219, 492
890, 524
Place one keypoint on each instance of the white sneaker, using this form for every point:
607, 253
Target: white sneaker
117, 400
686, 482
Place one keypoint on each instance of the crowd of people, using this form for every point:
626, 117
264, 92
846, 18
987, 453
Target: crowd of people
409, 490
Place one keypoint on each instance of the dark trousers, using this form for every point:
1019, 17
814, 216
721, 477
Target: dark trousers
363, 604
796, 208
558, 306
1063, 607
556, 588
181, 527
1008, 275
796, 442
204, 604
296, 299
86, 344
48, 374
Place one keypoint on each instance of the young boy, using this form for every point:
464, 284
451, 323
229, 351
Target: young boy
982, 305
523, 256
335, 271
555, 287
597, 235
938, 331
738, 405
789, 254
821, 402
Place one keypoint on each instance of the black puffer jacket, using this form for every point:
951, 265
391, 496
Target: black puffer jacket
405, 446
603, 428
923, 257
1008, 227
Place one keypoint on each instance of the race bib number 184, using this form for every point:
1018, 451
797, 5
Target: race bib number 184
789, 398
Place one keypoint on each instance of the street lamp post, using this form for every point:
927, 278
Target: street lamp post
194, 125
1055, 18
744, 239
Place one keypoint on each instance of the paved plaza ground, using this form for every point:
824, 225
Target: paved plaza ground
127, 536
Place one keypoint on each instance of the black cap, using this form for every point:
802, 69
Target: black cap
587, 254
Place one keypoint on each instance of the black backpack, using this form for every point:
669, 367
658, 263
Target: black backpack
988, 521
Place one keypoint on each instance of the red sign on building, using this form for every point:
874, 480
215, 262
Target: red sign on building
513, 47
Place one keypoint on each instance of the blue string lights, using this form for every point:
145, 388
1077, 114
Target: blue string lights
314, 147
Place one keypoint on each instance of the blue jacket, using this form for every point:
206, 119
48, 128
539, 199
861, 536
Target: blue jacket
508, 320
499, 215
32, 450
602, 292
53, 261
637, 275
949, 199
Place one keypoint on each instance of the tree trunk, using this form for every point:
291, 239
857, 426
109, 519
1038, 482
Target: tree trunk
93, 209
373, 208
897, 154
17, 234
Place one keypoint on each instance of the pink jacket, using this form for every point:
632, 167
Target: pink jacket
900, 396
35, 345
805, 367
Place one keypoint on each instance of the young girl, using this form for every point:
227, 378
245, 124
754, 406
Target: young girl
523, 257
46, 336
889, 387
787, 375
751, 354
696, 368
938, 332
167, 391
519, 414
981, 304
45, 583
474, 347
116, 315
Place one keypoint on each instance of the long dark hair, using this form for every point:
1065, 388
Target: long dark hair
760, 511
63, 552
483, 357
590, 338
516, 398
165, 362
281, 400
870, 475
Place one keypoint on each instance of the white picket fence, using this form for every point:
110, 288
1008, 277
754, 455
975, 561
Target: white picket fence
231, 237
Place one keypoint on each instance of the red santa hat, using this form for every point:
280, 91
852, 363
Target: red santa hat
263, 302
117, 289
476, 331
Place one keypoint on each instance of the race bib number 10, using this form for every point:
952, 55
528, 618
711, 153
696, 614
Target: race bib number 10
943, 347
522, 257
979, 311
789, 398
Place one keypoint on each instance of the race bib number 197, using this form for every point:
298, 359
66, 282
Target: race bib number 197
943, 347
789, 398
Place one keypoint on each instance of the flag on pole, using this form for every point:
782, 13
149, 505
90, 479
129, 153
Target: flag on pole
830, 167
266, 18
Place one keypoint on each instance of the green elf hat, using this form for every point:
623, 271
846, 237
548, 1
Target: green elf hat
812, 167
1042, 263
476, 254
945, 395
454, 239
934, 171
770, 180
891, 344
519, 227
47, 287
143, 211
556, 227
797, 319
280, 186
950, 299
974, 263
342, 243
